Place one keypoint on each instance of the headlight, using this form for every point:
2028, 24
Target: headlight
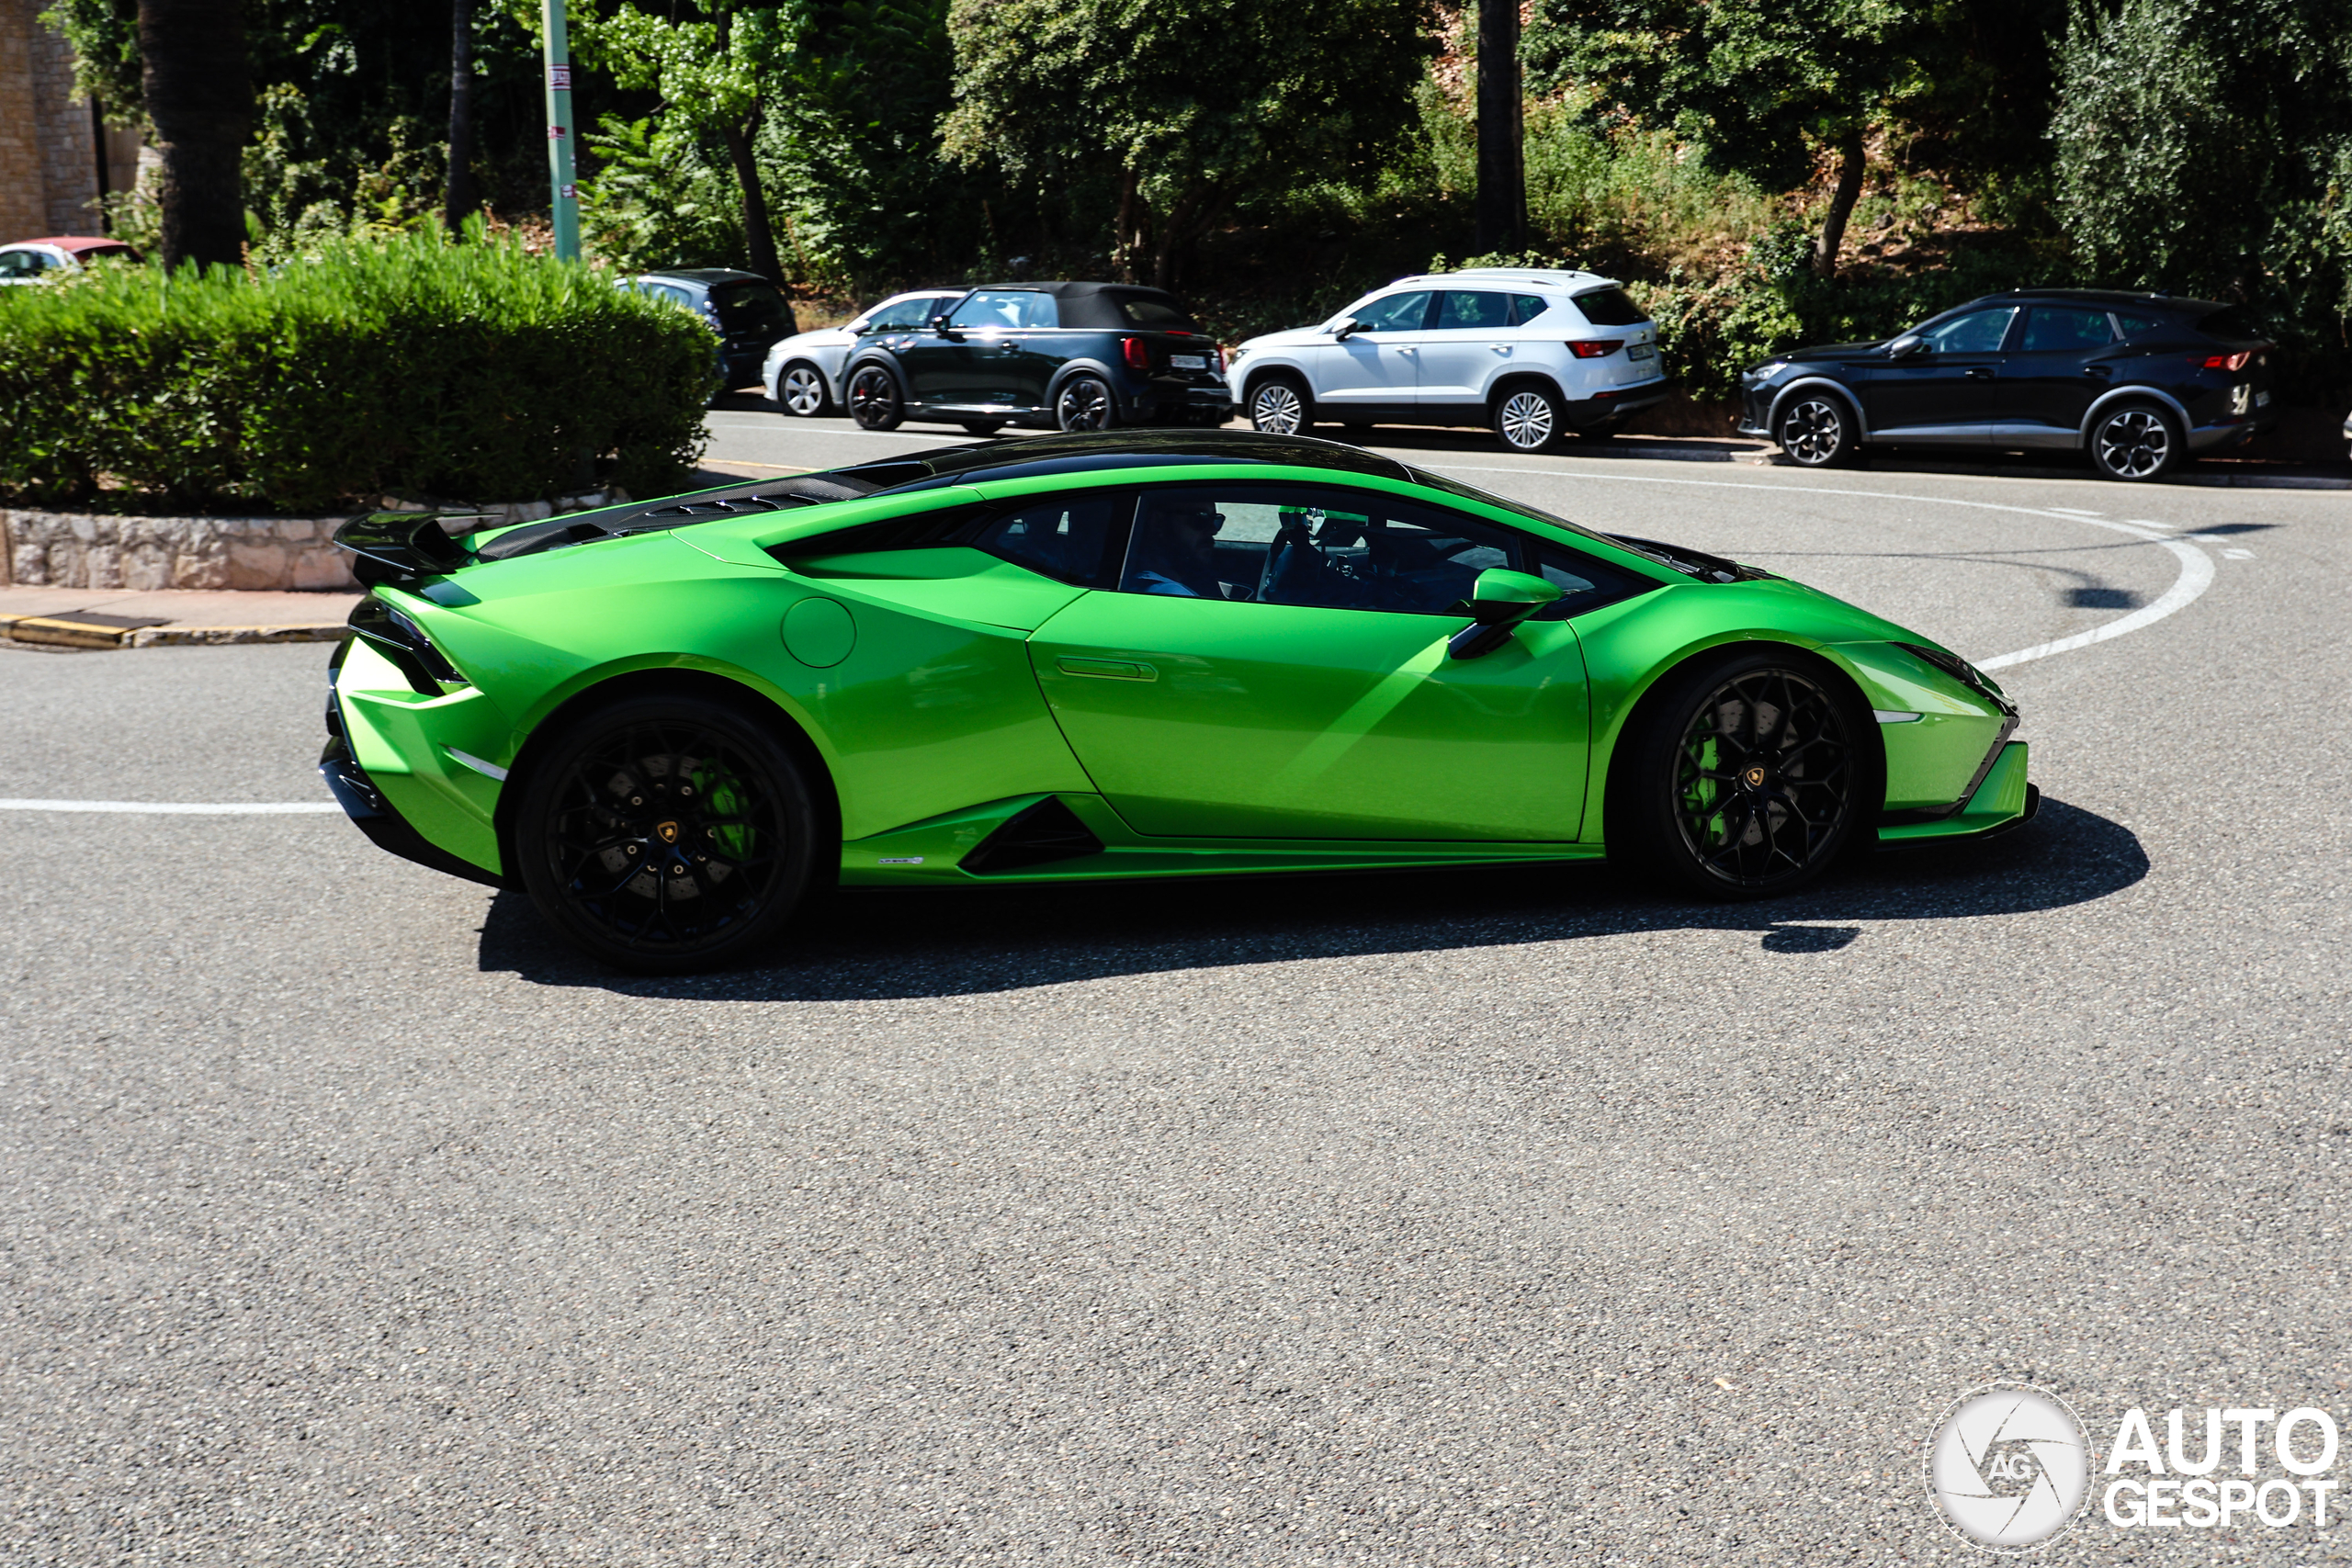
1238, 355
1768, 369
1960, 670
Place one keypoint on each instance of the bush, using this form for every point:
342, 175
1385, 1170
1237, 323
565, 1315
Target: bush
417, 367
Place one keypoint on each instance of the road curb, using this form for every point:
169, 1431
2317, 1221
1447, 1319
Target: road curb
108, 631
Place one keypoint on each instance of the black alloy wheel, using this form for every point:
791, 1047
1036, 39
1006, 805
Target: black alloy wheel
1085, 403
2135, 442
1529, 419
801, 390
667, 833
1746, 777
1279, 406
874, 400
1815, 431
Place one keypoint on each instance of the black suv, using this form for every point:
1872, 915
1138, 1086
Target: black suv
2137, 380
749, 313
1066, 356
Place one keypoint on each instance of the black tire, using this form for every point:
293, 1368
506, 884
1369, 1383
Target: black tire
874, 400
1281, 405
667, 833
1528, 418
800, 390
1085, 403
1745, 775
2135, 442
1817, 430
983, 428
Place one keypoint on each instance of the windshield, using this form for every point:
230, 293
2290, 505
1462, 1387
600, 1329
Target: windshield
751, 307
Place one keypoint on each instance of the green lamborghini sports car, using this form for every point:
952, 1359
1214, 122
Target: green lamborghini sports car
1123, 654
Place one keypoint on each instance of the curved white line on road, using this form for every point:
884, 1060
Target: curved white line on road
2196, 566
174, 808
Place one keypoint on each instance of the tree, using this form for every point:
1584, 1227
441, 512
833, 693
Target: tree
713, 69
198, 97
2206, 148
1762, 85
459, 199
1503, 169
1191, 105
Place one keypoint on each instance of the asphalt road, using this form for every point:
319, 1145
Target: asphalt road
1520, 1217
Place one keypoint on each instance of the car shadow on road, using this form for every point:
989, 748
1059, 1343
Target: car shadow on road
866, 946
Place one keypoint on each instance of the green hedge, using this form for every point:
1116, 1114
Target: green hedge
472, 372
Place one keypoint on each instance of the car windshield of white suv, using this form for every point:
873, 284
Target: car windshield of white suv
897, 313
1395, 313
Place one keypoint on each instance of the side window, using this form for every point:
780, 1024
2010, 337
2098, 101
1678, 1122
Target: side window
1333, 548
2134, 322
1525, 308
1077, 539
1006, 307
1979, 331
21, 263
1585, 583
1396, 312
899, 316
1466, 311
1610, 307
2050, 329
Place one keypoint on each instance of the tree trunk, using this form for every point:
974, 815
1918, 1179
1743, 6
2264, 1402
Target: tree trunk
459, 198
199, 98
759, 232
1123, 249
1195, 213
1841, 205
1502, 173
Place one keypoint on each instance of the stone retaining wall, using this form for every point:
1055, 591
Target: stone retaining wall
80, 549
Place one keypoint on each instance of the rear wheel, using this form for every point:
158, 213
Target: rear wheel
1815, 431
1085, 403
667, 833
1528, 418
874, 400
801, 391
1746, 776
2136, 441
1280, 406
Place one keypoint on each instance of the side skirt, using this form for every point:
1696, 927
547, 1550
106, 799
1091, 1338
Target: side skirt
932, 854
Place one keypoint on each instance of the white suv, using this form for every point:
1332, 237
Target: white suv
1532, 354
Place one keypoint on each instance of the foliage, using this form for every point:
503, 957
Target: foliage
1197, 106
657, 201
413, 368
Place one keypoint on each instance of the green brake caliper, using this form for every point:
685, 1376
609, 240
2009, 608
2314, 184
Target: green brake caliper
723, 796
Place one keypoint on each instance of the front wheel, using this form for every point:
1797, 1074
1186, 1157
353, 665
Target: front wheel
1744, 778
801, 391
667, 833
1528, 418
1816, 432
874, 400
1279, 406
1085, 403
2134, 442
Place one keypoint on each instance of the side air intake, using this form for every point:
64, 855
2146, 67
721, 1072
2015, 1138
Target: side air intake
1044, 832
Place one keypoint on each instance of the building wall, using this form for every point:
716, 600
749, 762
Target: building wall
48, 144
24, 196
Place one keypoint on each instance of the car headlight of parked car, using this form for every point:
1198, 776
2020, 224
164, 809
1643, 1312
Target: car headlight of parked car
1767, 370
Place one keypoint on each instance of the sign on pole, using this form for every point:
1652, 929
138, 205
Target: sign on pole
566, 205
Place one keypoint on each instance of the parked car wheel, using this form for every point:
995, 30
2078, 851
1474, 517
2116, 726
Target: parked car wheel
1747, 776
801, 391
2135, 441
665, 833
1528, 418
1815, 431
983, 427
1279, 405
874, 400
1085, 403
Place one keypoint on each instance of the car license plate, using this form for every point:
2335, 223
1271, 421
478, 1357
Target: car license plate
2262, 399
1642, 351
1189, 361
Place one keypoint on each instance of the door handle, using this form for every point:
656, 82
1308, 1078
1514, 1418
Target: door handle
1406, 349
1499, 347
1980, 372
1107, 669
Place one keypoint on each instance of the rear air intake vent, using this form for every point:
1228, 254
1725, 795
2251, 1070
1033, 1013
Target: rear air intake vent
1046, 832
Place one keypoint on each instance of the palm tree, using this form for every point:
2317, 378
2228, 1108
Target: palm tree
199, 98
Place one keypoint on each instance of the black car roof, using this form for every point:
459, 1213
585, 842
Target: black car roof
2107, 296
1093, 451
708, 277
1077, 290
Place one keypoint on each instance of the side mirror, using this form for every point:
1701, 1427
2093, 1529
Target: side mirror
1498, 603
1349, 327
939, 325
1909, 345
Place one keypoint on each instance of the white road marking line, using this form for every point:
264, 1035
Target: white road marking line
2196, 566
2074, 511
174, 808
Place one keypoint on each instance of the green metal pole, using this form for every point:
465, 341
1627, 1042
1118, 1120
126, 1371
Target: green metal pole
566, 208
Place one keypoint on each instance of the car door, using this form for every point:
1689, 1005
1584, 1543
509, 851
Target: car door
1944, 394
1274, 664
1467, 339
1378, 366
2060, 364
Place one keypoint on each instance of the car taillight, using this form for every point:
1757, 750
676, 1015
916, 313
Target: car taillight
1596, 348
1138, 355
2227, 361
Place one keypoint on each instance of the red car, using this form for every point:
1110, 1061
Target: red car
26, 260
